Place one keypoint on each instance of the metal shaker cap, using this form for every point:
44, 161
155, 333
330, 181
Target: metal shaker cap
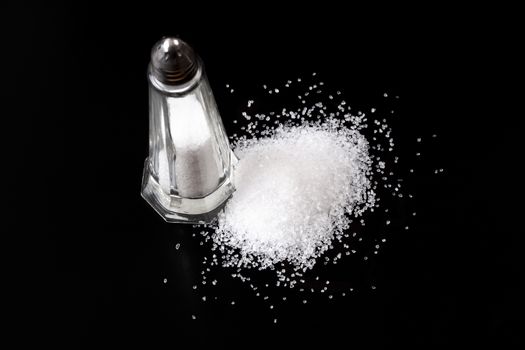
173, 61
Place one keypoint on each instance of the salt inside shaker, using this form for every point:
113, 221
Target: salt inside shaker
188, 173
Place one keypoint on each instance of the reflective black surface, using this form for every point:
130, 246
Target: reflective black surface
101, 253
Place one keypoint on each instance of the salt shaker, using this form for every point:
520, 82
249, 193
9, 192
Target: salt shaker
188, 173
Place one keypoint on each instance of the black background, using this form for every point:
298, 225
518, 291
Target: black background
97, 254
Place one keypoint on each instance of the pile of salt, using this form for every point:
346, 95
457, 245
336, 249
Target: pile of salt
295, 191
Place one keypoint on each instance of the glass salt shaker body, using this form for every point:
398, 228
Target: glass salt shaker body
188, 173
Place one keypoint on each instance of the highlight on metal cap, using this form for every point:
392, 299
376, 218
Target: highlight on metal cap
173, 61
